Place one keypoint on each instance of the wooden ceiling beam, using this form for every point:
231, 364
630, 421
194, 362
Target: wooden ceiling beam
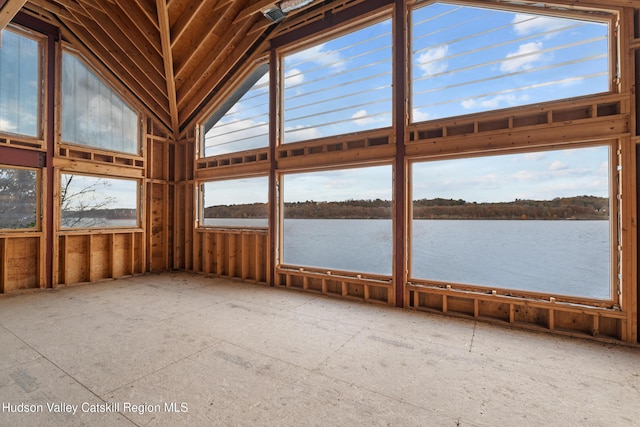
149, 8
9, 9
213, 70
190, 111
74, 7
138, 51
52, 9
176, 7
219, 34
200, 25
139, 18
165, 37
184, 20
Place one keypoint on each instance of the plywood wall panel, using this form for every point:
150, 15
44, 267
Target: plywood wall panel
100, 257
122, 259
20, 263
77, 252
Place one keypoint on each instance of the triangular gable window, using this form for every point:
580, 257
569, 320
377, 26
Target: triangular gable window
242, 121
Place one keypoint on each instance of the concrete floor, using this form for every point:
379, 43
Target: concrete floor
229, 353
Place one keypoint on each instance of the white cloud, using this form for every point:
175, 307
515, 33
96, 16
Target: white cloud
523, 175
300, 133
236, 136
419, 116
494, 102
534, 155
525, 24
360, 118
293, 77
318, 55
262, 83
432, 61
7, 125
558, 165
604, 168
490, 180
522, 59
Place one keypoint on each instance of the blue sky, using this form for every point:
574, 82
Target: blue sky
339, 86
468, 59
122, 193
19, 71
464, 60
542, 175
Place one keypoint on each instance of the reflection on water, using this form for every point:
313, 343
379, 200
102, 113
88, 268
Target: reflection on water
555, 257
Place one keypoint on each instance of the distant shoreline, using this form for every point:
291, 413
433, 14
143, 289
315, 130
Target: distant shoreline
565, 208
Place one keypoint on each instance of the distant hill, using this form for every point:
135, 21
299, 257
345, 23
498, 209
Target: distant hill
120, 213
579, 207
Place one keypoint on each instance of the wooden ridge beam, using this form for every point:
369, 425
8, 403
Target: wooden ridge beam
165, 37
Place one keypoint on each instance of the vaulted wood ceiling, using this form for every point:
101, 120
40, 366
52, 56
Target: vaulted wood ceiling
170, 53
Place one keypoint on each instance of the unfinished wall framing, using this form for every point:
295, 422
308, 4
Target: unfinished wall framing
602, 118
174, 96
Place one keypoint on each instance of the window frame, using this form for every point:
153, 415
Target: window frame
281, 191
233, 95
67, 49
615, 255
334, 31
41, 40
38, 201
610, 16
200, 194
140, 205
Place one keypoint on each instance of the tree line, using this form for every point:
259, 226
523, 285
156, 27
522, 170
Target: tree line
578, 207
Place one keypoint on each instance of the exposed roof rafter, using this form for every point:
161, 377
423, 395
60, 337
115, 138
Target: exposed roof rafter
9, 9
169, 54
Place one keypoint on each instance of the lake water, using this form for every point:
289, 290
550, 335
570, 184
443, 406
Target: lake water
556, 257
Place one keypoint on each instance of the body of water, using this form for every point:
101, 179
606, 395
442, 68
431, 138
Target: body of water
555, 257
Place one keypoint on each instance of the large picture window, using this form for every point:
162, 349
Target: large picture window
470, 59
20, 84
339, 86
339, 219
242, 122
92, 113
98, 202
235, 202
18, 198
538, 222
